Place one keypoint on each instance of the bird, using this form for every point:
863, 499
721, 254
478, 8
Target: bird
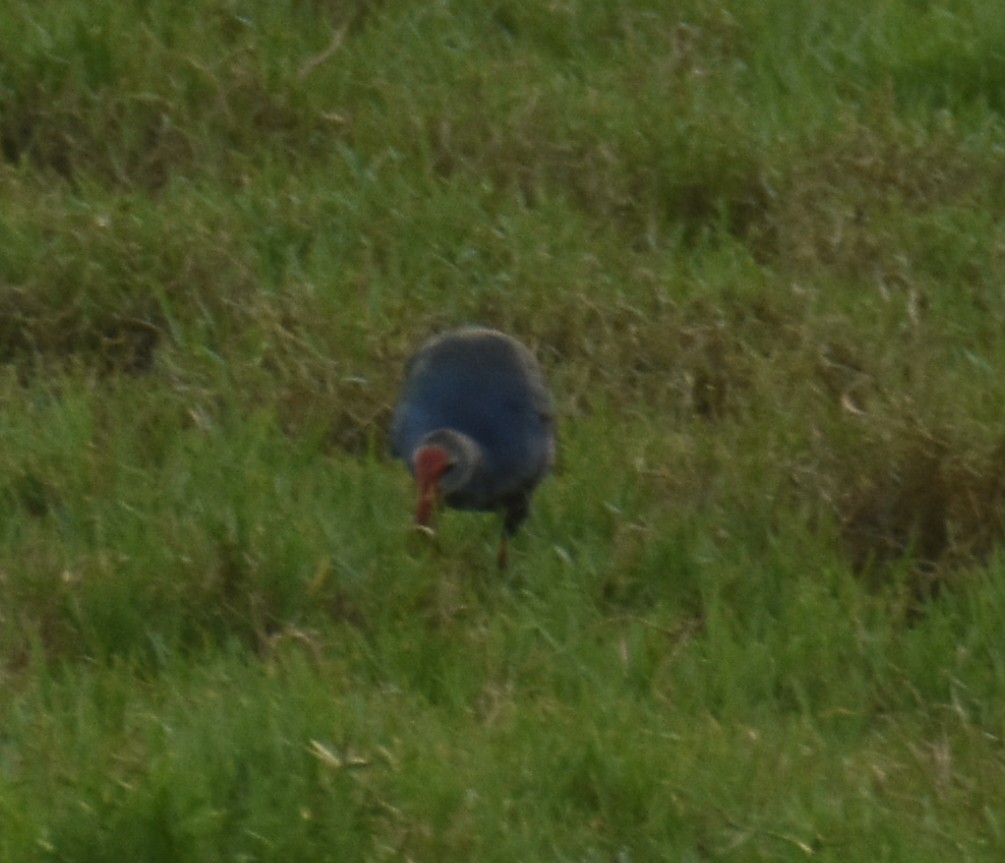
474, 422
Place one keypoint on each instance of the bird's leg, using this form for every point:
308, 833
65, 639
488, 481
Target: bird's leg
514, 515
502, 558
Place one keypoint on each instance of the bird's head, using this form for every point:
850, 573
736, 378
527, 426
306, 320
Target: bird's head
431, 462
444, 465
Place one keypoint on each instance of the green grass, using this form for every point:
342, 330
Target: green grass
756, 612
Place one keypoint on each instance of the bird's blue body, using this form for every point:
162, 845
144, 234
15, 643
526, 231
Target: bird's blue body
486, 387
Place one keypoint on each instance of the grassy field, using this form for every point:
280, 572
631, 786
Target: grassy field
757, 611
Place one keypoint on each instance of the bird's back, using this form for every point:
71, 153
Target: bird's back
489, 387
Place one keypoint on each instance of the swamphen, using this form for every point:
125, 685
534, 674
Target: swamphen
475, 425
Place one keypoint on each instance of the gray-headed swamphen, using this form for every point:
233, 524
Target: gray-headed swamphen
475, 425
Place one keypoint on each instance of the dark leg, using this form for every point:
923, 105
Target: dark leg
502, 559
516, 511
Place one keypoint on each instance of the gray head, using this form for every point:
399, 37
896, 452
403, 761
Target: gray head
443, 463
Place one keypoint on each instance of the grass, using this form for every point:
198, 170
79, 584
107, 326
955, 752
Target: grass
755, 614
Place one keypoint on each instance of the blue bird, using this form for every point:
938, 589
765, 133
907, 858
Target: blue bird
474, 424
